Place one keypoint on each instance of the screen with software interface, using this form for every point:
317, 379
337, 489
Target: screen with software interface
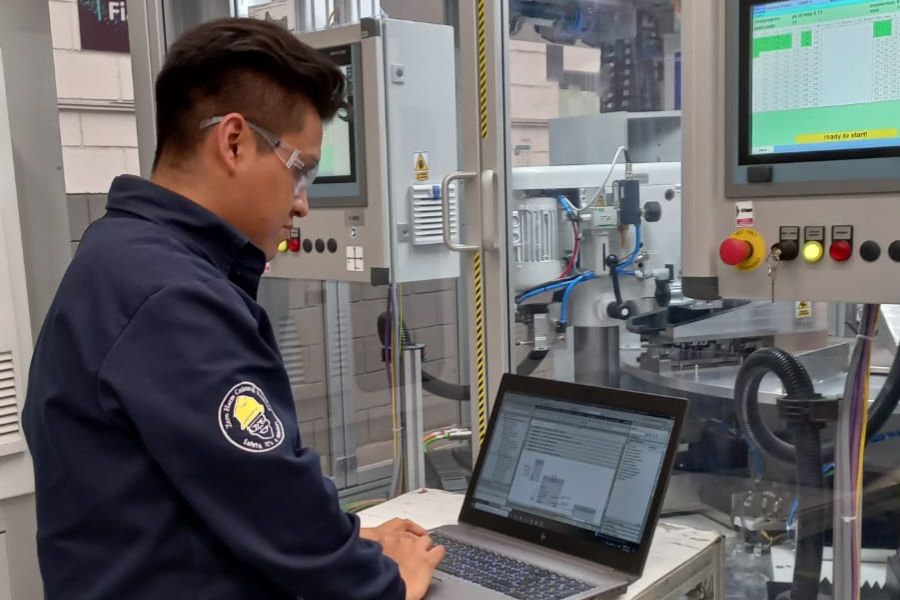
824, 76
337, 144
561, 465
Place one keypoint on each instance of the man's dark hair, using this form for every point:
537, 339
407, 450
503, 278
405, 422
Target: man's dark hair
247, 66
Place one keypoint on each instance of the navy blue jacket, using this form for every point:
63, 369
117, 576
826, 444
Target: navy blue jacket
166, 449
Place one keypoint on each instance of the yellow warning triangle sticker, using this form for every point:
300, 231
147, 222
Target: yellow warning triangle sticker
421, 166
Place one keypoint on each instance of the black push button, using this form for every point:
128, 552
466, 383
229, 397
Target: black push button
789, 249
894, 251
870, 251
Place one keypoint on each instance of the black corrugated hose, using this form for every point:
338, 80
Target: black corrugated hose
807, 451
797, 385
810, 530
805, 454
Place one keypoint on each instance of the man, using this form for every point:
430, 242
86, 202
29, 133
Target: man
167, 457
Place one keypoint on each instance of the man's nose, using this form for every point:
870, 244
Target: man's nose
300, 207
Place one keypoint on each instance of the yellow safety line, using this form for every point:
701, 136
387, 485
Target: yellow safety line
479, 347
479, 277
482, 68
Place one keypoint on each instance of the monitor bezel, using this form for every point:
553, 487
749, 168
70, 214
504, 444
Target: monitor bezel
745, 95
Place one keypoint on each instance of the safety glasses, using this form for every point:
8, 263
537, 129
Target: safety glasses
304, 175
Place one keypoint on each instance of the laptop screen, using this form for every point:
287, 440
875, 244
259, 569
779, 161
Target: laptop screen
574, 468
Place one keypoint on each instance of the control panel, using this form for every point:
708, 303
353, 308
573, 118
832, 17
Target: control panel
792, 158
376, 211
745, 249
823, 257
295, 245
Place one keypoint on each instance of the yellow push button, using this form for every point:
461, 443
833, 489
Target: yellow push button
283, 246
813, 251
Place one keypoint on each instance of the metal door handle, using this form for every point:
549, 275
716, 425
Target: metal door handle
445, 205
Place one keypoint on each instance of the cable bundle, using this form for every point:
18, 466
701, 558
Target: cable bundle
453, 433
392, 344
576, 232
849, 453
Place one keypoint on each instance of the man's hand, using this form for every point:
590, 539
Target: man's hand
392, 527
407, 543
417, 558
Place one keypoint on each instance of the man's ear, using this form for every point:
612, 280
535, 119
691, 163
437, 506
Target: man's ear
231, 138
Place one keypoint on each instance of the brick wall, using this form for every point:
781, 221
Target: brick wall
430, 312
298, 313
96, 118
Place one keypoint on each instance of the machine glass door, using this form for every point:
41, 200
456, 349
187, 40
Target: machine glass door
354, 390
594, 187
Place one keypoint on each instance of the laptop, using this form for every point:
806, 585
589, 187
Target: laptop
565, 495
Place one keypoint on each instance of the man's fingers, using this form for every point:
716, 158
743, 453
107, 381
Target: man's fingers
424, 542
435, 556
414, 527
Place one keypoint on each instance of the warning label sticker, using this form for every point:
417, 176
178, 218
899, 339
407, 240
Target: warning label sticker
743, 214
420, 164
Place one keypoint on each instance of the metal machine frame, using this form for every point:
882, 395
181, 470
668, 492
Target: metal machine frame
36, 247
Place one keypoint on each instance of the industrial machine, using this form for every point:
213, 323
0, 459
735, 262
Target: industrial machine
791, 157
784, 150
788, 171
377, 209
592, 246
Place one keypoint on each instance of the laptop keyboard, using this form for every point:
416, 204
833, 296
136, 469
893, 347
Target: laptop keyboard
502, 574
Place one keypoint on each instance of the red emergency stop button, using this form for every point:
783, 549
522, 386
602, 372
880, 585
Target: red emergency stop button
840, 250
734, 251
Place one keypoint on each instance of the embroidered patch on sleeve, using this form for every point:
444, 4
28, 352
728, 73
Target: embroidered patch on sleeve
247, 420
